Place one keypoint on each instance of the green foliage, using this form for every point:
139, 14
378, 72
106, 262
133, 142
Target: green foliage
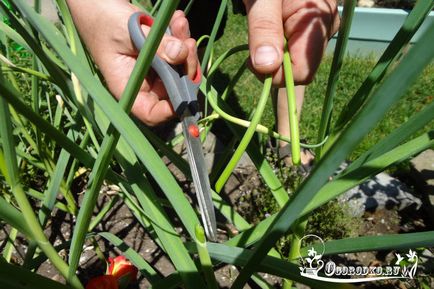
330, 221
58, 120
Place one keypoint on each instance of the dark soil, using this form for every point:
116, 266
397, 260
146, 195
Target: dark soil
401, 4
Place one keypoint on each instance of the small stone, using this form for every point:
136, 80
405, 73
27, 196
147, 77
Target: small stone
423, 175
418, 223
380, 192
88, 248
58, 278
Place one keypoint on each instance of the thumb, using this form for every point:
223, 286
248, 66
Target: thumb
265, 34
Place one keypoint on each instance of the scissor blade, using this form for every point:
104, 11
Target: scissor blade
200, 177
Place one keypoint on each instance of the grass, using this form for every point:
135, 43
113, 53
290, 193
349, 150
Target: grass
355, 68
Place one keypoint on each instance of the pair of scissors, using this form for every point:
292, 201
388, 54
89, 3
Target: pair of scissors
182, 93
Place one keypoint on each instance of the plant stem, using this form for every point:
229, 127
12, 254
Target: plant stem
35, 80
292, 108
156, 7
247, 136
74, 44
188, 7
9, 248
28, 71
338, 57
205, 259
212, 37
220, 113
298, 233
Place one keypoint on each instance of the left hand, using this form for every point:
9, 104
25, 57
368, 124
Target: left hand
307, 25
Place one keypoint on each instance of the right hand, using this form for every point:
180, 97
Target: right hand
107, 38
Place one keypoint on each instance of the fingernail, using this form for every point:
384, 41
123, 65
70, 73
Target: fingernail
265, 55
173, 48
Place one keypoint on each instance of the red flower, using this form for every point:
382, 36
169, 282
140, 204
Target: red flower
119, 274
103, 282
123, 270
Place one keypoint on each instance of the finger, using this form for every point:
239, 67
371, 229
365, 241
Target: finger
152, 111
306, 51
188, 57
179, 25
158, 88
192, 63
171, 49
308, 26
265, 34
177, 14
326, 10
278, 79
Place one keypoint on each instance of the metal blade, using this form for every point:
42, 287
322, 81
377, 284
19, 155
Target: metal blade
200, 177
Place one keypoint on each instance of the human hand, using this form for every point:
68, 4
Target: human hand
107, 38
307, 25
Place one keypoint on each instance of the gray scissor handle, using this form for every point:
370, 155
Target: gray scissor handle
182, 90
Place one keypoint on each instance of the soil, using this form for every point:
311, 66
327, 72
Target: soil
400, 4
